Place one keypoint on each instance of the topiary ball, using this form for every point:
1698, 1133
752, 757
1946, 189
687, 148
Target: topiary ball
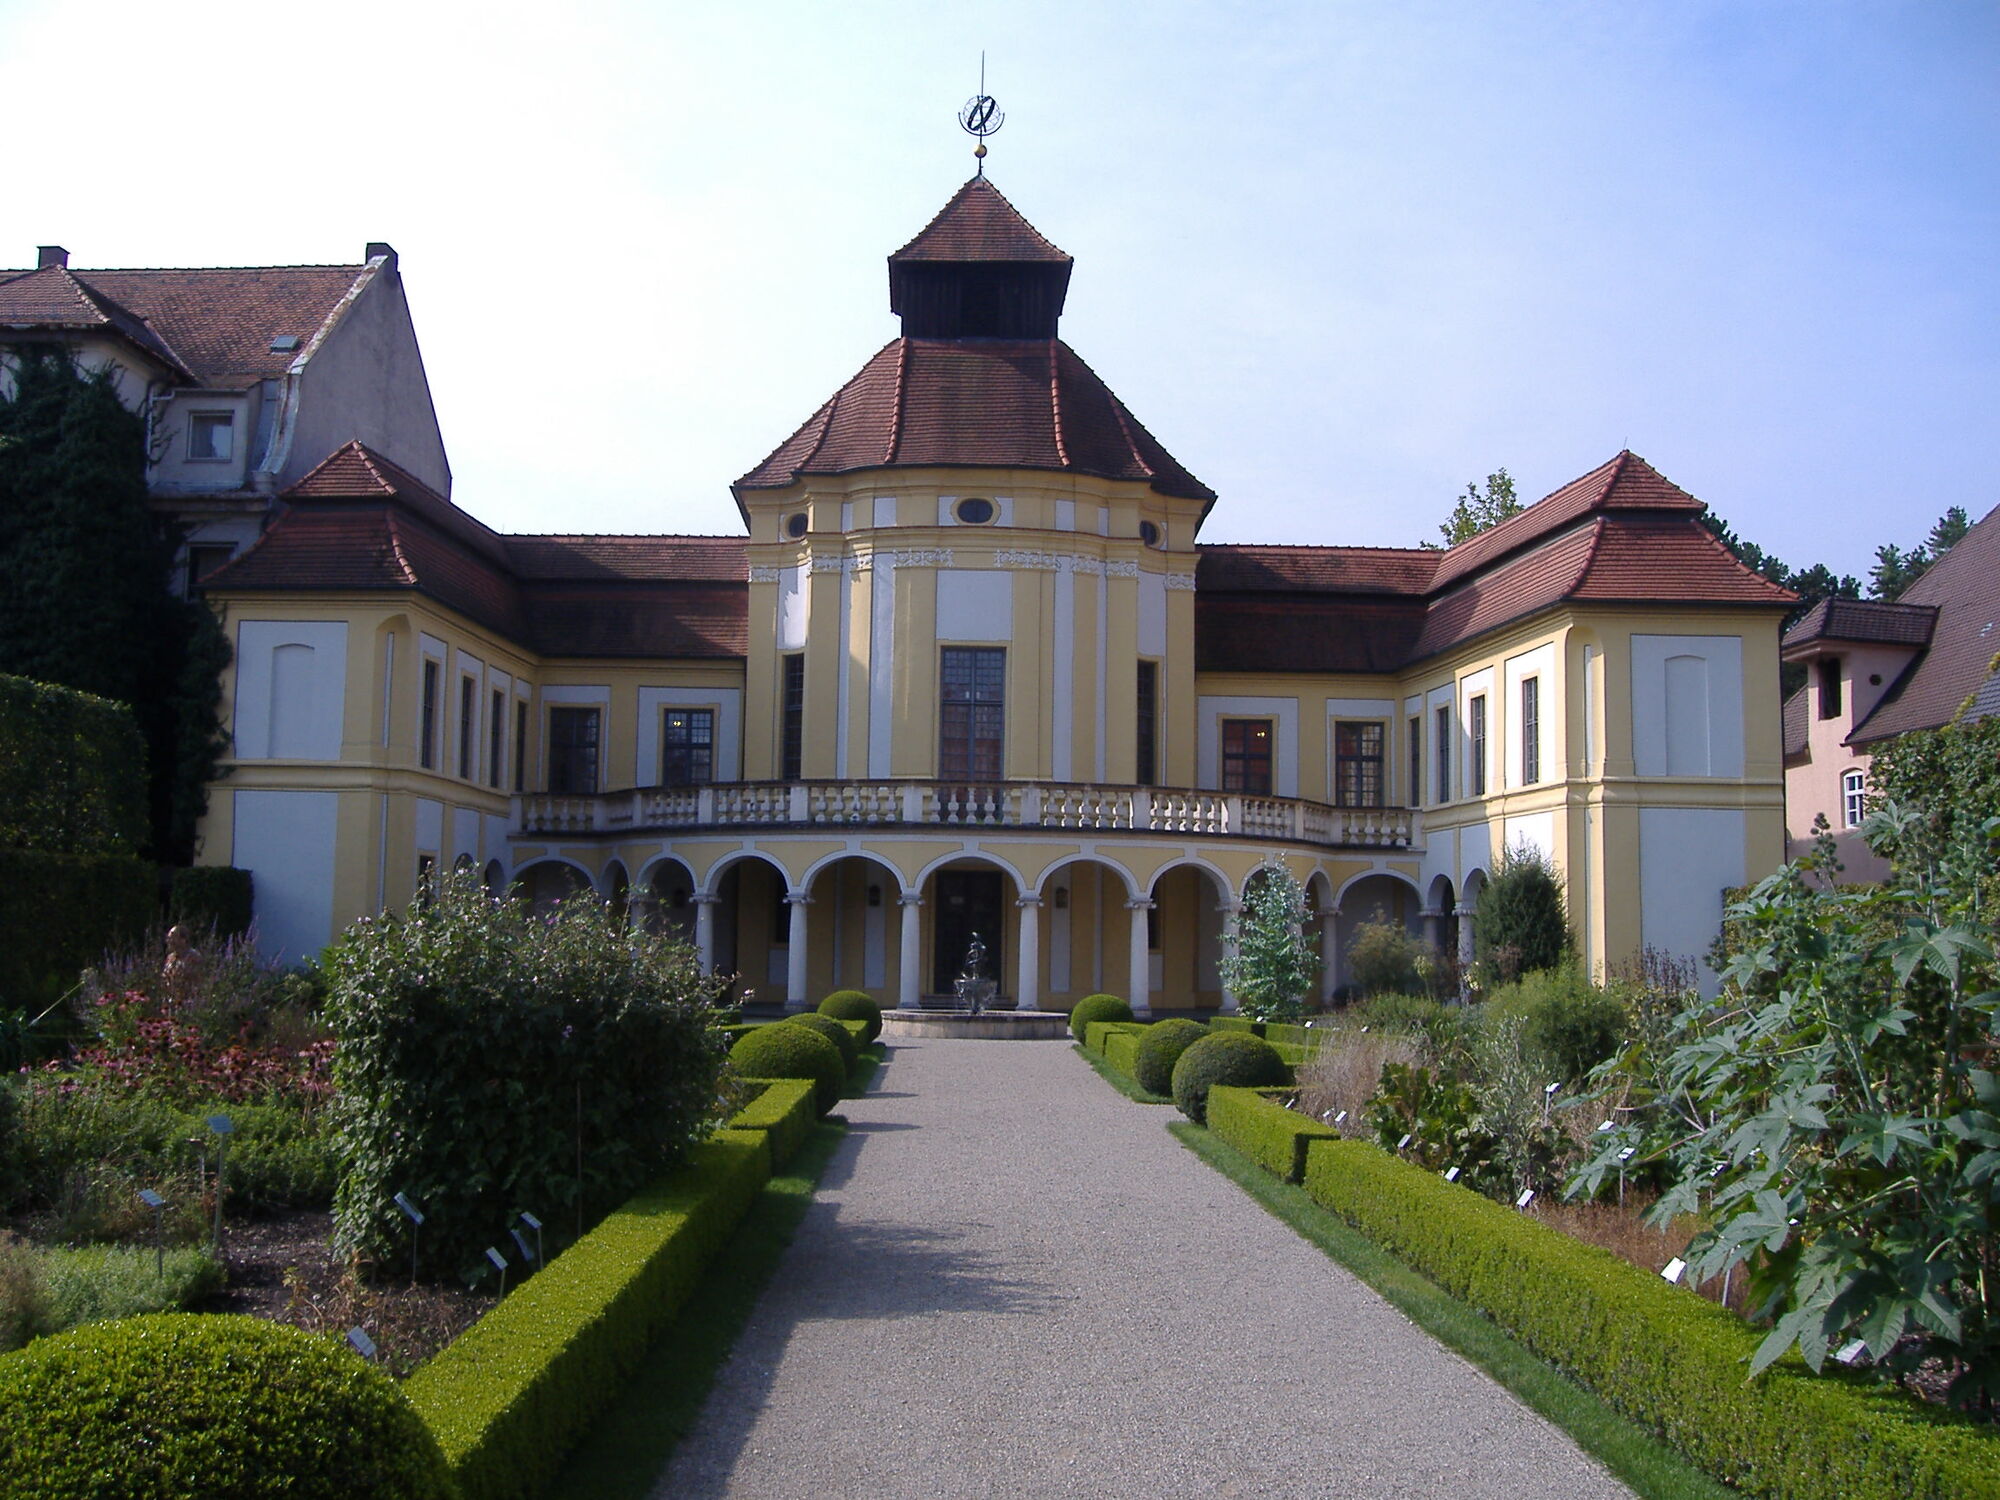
853, 1005
1096, 1008
833, 1031
782, 1050
226, 1407
1234, 1058
1160, 1048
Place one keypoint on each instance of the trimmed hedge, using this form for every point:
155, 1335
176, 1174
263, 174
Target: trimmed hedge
1121, 1050
837, 1032
62, 913
1098, 1034
1096, 1008
1282, 1034
225, 1407
1228, 1057
1668, 1359
1237, 1023
784, 1112
72, 772
1256, 1122
514, 1392
780, 1050
1156, 1052
854, 1005
218, 898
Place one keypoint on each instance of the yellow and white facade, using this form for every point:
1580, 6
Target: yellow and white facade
971, 671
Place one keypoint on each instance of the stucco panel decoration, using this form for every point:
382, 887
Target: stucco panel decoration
1180, 581
1065, 562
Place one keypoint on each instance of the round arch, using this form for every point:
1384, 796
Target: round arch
958, 856
1340, 896
544, 882
711, 883
827, 861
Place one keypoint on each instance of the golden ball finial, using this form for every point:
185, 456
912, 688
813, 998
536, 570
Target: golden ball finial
980, 151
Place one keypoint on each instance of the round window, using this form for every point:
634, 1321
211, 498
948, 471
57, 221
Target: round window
795, 526
1150, 534
975, 512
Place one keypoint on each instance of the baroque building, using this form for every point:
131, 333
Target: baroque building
971, 670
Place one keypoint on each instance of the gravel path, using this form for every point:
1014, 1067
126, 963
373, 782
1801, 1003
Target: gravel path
1015, 1282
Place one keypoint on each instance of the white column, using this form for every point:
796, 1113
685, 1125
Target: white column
704, 931
1434, 927
1229, 912
1142, 995
795, 954
909, 989
1028, 986
1329, 957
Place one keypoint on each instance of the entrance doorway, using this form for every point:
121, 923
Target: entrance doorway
968, 901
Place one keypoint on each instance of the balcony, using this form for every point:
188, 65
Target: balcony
935, 805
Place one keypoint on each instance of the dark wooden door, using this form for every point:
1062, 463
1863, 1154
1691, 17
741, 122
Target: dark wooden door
968, 901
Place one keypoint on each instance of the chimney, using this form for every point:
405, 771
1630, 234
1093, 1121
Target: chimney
379, 251
52, 255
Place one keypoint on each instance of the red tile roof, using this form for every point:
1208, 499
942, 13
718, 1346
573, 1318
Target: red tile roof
984, 403
358, 522
1626, 482
1795, 726
53, 298
979, 224
218, 323
1963, 587
1619, 535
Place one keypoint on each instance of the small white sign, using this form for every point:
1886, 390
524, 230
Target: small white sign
1451, 1175
416, 1217
499, 1260
1552, 1088
530, 1220
1851, 1352
221, 1124
151, 1199
1604, 1127
363, 1345
1672, 1270
1626, 1154
1527, 1197
1403, 1142
1340, 1118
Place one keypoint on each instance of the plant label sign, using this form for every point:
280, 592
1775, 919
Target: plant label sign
1403, 1142
409, 1208
363, 1345
1672, 1271
1527, 1197
1451, 1175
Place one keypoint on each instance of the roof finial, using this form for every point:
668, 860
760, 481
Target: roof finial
981, 117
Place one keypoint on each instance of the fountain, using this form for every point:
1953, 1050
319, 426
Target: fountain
972, 1013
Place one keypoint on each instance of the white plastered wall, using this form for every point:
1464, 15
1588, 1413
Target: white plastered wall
291, 689
1688, 856
286, 841
1687, 705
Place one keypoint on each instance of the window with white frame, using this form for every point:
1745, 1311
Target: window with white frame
687, 747
1531, 730
1475, 753
1853, 798
211, 436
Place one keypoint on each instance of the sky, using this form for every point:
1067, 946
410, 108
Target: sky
1341, 258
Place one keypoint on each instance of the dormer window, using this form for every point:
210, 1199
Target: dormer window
1829, 687
211, 436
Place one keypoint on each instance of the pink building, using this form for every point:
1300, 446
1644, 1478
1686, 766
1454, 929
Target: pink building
1877, 670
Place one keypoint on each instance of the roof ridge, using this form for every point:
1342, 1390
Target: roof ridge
1055, 402
897, 389
402, 558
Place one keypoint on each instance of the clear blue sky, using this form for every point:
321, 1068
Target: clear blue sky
1341, 258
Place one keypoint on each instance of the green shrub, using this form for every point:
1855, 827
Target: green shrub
98, 1282
1096, 1008
26, 1309
853, 1005
784, 1110
1120, 1048
1383, 959
1568, 1020
1159, 1049
278, 1157
1264, 1129
1671, 1361
212, 898
485, 1050
1519, 923
510, 1396
1274, 965
1236, 1023
228, 1408
1097, 1035
833, 1031
782, 1050
1228, 1057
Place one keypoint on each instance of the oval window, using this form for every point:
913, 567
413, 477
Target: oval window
974, 512
1150, 534
795, 526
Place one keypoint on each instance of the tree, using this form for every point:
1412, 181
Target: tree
1810, 584
1478, 511
84, 567
1895, 570
1275, 966
1519, 923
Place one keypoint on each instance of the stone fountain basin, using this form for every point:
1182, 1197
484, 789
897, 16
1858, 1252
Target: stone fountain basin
992, 1025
